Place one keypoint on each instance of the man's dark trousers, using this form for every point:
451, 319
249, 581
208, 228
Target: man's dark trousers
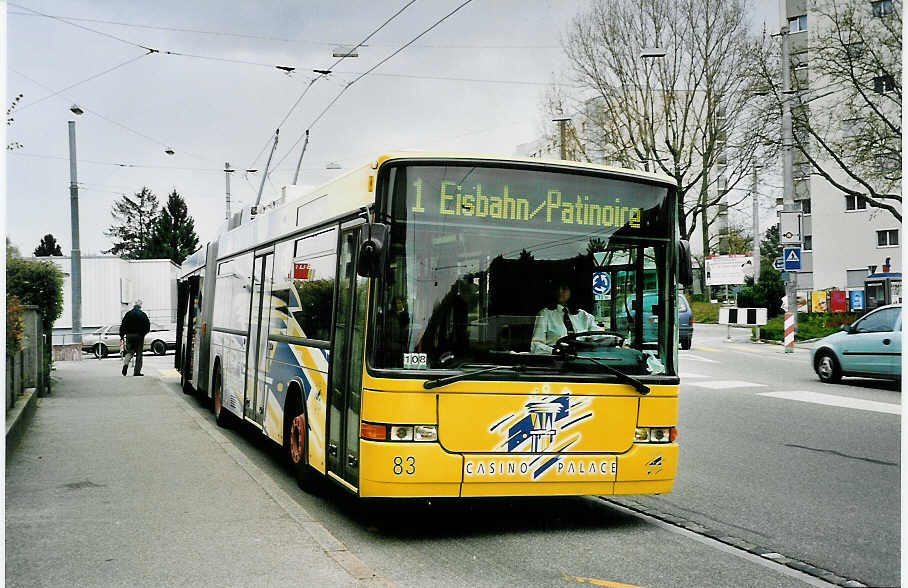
134, 345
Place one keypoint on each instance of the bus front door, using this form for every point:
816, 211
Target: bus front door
258, 348
347, 358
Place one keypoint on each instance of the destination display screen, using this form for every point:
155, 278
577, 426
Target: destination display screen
526, 198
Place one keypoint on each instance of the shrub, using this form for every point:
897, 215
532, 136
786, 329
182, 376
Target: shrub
767, 293
14, 325
810, 326
39, 283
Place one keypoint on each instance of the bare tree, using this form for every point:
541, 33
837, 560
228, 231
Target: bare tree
694, 114
846, 104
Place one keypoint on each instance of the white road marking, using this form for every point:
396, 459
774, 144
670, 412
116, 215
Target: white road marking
727, 384
832, 400
699, 358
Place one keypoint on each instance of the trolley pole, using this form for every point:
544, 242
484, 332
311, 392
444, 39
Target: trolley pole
227, 172
76, 254
756, 223
791, 288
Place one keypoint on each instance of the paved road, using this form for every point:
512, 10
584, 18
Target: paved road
126, 481
766, 459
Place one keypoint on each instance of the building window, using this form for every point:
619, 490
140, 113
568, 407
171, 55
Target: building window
853, 202
883, 84
887, 238
882, 7
805, 206
797, 24
808, 242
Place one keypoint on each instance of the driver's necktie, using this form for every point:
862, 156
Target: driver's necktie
567, 320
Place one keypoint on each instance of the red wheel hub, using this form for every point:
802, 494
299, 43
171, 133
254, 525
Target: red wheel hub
297, 442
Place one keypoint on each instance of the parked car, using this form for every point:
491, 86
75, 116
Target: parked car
685, 322
869, 347
107, 338
651, 321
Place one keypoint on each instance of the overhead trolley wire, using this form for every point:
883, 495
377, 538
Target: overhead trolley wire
88, 79
280, 39
325, 72
364, 74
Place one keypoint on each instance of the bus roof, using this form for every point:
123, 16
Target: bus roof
433, 155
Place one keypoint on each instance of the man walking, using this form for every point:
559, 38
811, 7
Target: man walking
133, 329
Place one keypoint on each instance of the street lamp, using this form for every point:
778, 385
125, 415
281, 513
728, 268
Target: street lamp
76, 109
333, 165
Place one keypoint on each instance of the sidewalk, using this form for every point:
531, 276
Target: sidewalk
742, 336
118, 481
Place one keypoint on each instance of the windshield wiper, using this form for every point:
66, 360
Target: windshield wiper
622, 377
439, 382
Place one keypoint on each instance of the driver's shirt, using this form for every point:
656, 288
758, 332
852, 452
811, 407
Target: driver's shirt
550, 327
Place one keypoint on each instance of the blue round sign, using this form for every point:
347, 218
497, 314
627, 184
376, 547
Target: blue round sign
602, 283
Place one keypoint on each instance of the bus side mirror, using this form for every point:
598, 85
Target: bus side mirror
685, 263
372, 250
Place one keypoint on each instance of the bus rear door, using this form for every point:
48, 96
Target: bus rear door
258, 347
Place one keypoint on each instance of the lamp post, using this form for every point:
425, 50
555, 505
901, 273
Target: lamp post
561, 132
76, 253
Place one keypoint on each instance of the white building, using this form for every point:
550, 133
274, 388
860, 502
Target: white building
110, 286
842, 236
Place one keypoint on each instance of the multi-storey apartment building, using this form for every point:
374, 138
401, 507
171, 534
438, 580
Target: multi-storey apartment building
842, 236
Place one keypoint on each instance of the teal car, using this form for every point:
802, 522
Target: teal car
651, 321
870, 347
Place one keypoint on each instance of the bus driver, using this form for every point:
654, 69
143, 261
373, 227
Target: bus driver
554, 322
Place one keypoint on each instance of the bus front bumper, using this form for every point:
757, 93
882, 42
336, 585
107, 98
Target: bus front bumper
395, 469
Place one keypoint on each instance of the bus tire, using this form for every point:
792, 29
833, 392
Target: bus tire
296, 440
222, 416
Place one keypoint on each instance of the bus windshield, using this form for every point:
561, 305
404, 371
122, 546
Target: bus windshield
508, 265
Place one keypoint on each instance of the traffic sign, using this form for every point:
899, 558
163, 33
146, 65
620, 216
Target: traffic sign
792, 257
789, 227
778, 263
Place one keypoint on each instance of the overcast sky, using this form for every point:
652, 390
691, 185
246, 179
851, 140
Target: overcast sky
474, 83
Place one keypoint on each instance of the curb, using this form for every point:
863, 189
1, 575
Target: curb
18, 417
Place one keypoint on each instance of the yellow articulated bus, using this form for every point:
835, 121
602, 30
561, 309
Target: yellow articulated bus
443, 325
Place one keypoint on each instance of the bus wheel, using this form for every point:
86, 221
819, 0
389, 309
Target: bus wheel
222, 416
298, 443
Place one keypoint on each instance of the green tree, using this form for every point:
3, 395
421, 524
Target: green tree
133, 227
173, 235
48, 246
11, 250
768, 292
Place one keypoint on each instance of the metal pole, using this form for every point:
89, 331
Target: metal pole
255, 208
300, 162
76, 268
756, 243
788, 191
227, 172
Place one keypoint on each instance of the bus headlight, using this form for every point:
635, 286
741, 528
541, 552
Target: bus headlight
425, 433
401, 433
655, 434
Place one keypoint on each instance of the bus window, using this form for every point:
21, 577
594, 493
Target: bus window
475, 252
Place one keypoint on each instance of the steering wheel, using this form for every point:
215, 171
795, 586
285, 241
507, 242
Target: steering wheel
567, 343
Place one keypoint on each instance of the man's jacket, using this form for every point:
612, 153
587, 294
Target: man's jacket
135, 322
